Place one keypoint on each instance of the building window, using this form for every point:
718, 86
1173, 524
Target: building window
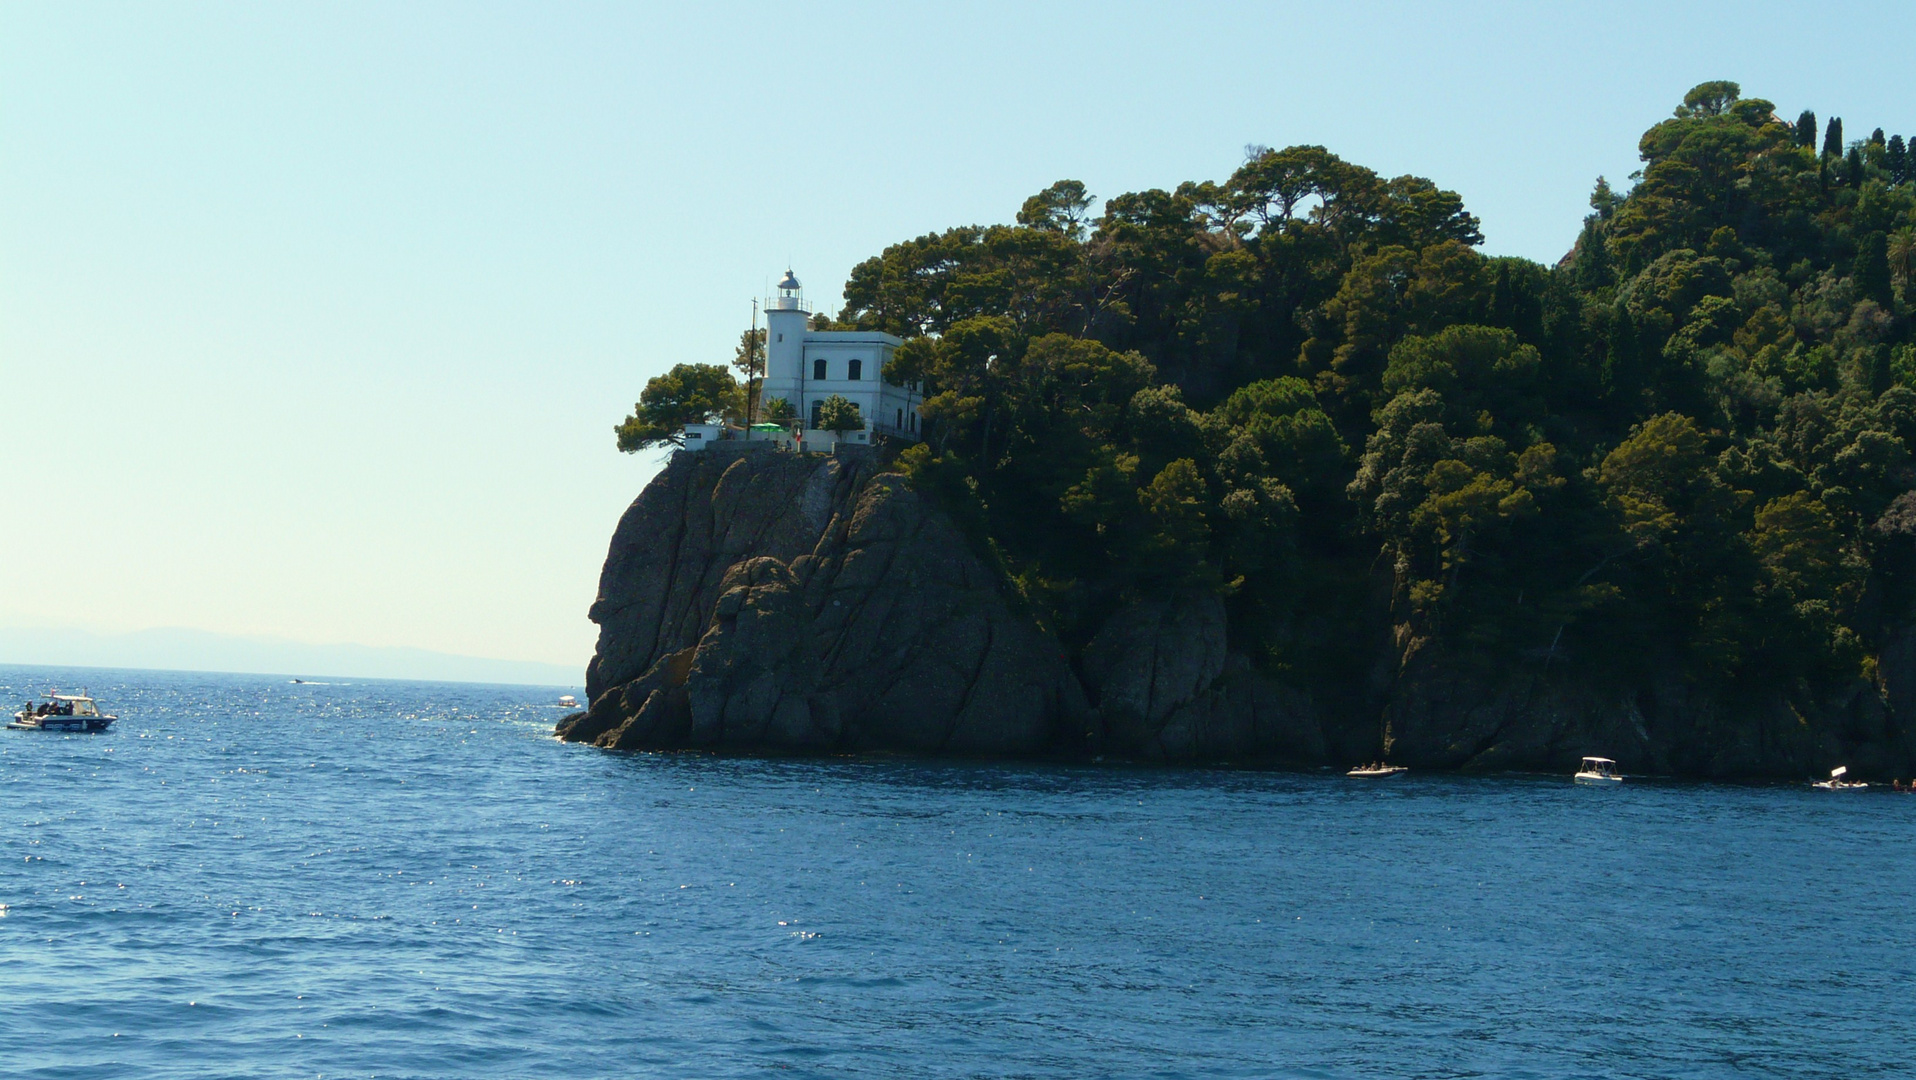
855, 369
816, 406
818, 370
900, 425
914, 421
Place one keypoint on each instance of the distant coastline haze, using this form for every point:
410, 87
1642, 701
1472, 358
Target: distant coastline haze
61, 651
315, 321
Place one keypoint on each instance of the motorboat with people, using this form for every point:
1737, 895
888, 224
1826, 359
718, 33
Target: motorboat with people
1377, 769
1837, 783
62, 712
1598, 770
567, 701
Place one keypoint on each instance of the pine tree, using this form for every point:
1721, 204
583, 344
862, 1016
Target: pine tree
1833, 138
1896, 160
1806, 130
1604, 200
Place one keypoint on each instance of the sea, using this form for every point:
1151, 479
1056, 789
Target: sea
252, 877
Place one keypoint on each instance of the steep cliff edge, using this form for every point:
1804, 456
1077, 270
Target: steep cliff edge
769, 601
758, 601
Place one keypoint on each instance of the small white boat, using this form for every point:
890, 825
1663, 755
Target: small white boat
1377, 768
567, 701
1598, 770
1837, 783
62, 712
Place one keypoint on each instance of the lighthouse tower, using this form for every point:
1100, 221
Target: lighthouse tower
785, 317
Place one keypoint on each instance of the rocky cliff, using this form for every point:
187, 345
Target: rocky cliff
776, 602
757, 601
772, 601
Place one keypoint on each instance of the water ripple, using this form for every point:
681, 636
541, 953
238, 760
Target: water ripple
254, 878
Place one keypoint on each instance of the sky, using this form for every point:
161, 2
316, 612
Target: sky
315, 319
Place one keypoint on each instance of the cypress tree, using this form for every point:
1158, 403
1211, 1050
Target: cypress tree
1853, 167
1896, 159
1833, 138
1871, 269
1806, 130
1876, 136
1593, 267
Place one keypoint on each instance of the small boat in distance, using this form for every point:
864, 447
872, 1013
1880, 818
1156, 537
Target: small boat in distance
1598, 770
1378, 768
567, 701
1837, 783
62, 712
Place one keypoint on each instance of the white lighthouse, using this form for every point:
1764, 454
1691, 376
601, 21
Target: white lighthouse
806, 366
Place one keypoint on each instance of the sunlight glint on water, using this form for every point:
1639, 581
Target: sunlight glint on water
250, 877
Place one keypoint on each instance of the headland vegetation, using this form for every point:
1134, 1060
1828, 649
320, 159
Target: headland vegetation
1282, 467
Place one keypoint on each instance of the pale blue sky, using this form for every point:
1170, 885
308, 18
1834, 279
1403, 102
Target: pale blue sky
314, 320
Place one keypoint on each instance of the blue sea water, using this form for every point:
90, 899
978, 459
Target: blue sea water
248, 877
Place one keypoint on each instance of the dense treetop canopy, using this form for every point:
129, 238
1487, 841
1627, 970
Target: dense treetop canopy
1304, 387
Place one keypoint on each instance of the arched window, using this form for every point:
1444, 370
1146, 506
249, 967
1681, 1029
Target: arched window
855, 369
816, 406
818, 369
900, 425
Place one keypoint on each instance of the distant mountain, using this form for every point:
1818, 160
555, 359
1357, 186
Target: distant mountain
176, 649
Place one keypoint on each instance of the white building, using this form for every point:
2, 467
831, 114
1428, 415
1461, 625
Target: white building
806, 366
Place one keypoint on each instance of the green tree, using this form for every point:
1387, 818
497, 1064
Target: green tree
1871, 269
1484, 373
748, 359
1806, 130
1176, 503
1709, 99
1059, 208
687, 394
839, 415
778, 410
1659, 479
1900, 252
1274, 428
1801, 549
1670, 448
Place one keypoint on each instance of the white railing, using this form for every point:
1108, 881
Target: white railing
787, 303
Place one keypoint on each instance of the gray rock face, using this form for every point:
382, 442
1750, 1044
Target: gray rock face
755, 601
1442, 715
1154, 656
769, 601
